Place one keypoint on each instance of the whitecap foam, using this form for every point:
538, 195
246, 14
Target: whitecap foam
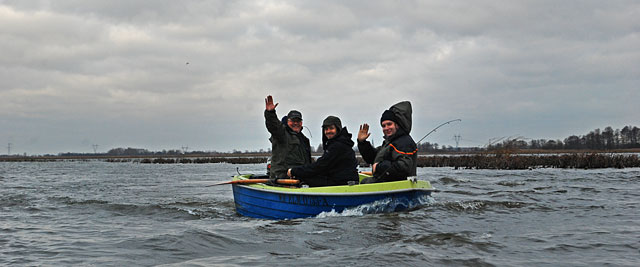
380, 206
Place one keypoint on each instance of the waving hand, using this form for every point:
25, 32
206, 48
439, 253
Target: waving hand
269, 103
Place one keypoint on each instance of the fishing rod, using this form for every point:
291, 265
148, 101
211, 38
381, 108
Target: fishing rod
309, 131
434, 129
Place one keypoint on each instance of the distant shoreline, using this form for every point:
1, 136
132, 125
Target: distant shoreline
500, 159
267, 154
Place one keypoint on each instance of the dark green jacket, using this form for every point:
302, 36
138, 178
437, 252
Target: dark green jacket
397, 157
288, 148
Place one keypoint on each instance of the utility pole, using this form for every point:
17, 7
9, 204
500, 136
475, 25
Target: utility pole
184, 149
457, 139
9, 149
95, 149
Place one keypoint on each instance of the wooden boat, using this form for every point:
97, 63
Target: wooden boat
276, 202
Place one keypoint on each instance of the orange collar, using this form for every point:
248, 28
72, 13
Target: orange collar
404, 153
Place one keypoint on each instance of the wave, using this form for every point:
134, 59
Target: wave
463, 192
18, 200
389, 205
451, 180
510, 183
380, 206
190, 244
482, 205
176, 210
481, 241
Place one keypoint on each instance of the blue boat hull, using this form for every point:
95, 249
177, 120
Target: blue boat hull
266, 203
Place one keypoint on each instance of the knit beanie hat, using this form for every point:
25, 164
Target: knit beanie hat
388, 115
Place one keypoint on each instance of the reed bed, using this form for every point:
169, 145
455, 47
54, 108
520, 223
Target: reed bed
519, 162
145, 160
497, 161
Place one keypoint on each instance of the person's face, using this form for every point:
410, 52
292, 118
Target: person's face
295, 124
330, 131
389, 128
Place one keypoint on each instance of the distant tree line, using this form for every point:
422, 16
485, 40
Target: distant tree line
607, 139
130, 151
435, 147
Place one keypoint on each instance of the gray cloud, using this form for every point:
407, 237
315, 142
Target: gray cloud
164, 74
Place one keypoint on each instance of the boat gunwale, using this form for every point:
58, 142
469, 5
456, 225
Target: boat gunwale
335, 194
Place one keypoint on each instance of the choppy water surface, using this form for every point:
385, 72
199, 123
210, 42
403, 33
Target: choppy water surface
127, 214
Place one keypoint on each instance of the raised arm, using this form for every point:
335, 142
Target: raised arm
367, 151
274, 125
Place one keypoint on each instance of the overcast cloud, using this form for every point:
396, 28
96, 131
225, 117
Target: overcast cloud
167, 74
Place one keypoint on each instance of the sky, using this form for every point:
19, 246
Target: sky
166, 74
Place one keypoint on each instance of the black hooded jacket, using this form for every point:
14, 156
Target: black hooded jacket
397, 157
337, 164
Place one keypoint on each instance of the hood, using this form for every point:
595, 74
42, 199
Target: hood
332, 120
343, 136
403, 112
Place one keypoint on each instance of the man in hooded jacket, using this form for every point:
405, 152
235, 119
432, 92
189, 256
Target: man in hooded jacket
337, 165
289, 146
397, 158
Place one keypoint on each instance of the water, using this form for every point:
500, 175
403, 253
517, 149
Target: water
128, 214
